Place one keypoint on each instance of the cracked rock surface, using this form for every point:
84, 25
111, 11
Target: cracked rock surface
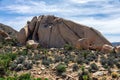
50, 31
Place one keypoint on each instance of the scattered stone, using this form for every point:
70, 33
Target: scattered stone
42, 67
39, 72
98, 73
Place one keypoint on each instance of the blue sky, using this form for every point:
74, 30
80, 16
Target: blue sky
103, 15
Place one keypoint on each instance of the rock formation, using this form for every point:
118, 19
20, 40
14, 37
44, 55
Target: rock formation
3, 35
117, 49
6, 32
107, 48
51, 31
10, 31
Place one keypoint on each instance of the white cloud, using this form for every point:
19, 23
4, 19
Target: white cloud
17, 23
85, 1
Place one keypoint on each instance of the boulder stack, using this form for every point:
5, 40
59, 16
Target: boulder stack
50, 31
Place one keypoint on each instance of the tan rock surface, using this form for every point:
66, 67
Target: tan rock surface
117, 49
32, 44
107, 48
23, 35
51, 31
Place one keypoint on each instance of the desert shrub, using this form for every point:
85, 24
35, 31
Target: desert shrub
118, 65
13, 65
27, 65
23, 52
2, 71
26, 76
5, 59
110, 61
114, 74
85, 53
105, 66
91, 57
37, 56
47, 62
75, 67
1, 45
46, 79
58, 58
86, 61
66, 60
94, 67
20, 59
103, 60
68, 47
80, 60
61, 68
85, 77
71, 58
19, 67
83, 74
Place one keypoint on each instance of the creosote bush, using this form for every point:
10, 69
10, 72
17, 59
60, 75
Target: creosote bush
75, 67
60, 68
93, 67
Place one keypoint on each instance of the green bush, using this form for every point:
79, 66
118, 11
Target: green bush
68, 47
27, 65
26, 76
61, 68
85, 77
94, 67
75, 67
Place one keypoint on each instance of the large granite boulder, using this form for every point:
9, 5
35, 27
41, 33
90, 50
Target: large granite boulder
107, 48
50, 31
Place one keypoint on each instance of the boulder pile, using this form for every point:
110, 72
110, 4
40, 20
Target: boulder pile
50, 31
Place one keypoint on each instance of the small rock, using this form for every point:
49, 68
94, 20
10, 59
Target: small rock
32, 44
42, 67
102, 69
98, 73
39, 72
36, 51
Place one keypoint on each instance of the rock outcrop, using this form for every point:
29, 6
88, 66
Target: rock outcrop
117, 49
3, 35
10, 31
7, 33
51, 31
107, 48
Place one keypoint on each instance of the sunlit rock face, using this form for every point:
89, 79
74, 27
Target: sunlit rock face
50, 31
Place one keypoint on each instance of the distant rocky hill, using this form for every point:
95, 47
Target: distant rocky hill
8, 29
116, 43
